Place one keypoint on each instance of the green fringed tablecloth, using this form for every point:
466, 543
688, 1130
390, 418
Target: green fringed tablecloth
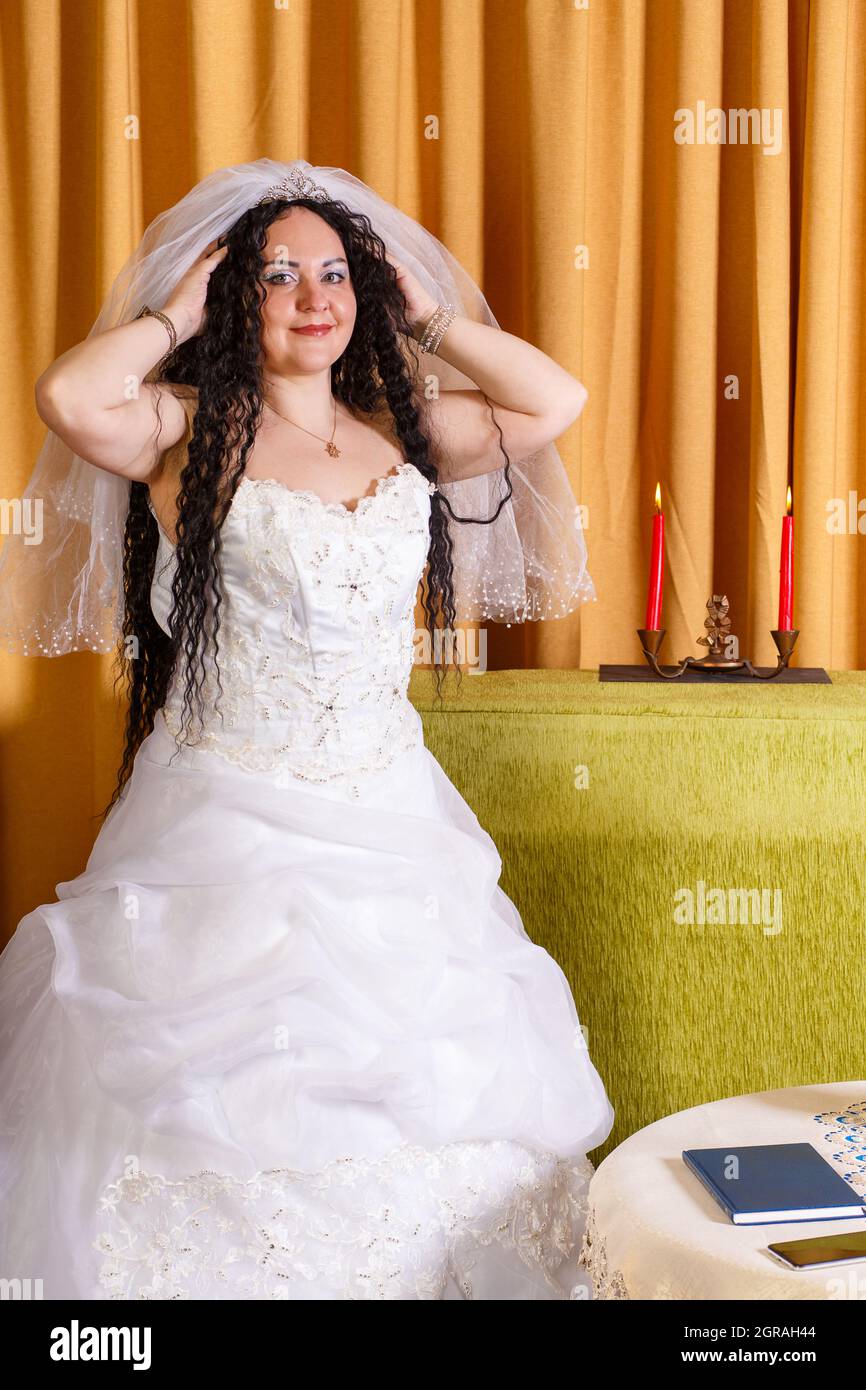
611, 803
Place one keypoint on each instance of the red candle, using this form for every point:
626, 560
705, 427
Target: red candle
786, 572
657, 568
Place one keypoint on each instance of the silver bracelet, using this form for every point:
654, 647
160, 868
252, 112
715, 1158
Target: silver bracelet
436, 327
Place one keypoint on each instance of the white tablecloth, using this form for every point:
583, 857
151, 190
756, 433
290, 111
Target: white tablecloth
653, 1231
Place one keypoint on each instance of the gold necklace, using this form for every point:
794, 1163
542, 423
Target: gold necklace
328, 443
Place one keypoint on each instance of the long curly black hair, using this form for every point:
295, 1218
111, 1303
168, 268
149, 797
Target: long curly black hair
224, 363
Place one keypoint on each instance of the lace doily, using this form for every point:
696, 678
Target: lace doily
845, 1137
607, 1283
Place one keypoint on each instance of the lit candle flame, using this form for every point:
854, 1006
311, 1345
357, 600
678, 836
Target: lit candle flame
788, 503
659, 496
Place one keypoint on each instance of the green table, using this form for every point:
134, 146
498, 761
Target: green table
612, 803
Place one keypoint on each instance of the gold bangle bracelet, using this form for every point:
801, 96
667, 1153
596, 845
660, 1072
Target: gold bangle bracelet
164, 319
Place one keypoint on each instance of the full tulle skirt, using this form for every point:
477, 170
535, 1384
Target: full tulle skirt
284, 1041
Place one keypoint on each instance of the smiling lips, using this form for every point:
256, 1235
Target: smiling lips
315, 330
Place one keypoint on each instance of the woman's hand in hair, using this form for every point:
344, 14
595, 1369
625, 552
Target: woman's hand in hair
419, 304
186, 304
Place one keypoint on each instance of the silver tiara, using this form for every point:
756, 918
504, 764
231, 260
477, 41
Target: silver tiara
297, 184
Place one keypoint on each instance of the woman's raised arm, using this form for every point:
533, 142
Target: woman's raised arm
95, 398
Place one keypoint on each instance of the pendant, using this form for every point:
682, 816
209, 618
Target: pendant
333, 450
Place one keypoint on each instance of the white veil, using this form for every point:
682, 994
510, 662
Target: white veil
61, 567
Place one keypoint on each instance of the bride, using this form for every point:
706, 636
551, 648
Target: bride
285, 1036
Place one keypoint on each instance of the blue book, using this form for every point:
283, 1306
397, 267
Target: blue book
763, 1183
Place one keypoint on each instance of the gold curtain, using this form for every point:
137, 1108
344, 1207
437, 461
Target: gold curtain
709, 295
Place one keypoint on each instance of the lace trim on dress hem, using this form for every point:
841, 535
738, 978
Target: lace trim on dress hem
397, 1227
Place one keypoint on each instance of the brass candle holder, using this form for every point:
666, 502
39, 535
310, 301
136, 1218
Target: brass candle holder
717, 659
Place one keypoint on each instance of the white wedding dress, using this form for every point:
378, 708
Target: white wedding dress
285, 1036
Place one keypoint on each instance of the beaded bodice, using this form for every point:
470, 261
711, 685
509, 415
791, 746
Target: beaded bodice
317, 626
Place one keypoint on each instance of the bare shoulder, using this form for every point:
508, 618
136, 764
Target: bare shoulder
182, 391
175, 405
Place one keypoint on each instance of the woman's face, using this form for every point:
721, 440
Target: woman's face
306, 277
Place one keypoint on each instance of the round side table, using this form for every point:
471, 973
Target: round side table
654, 1232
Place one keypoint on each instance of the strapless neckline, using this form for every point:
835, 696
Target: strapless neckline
363, 504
